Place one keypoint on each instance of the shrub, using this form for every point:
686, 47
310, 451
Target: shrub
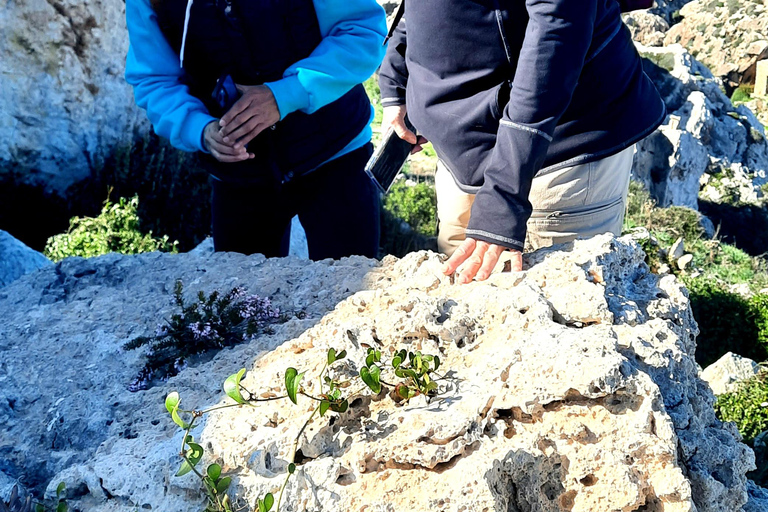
116, 229
212, 322
414, 204
747, 407
741, 95
727, 321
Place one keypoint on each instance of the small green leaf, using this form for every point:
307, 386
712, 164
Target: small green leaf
39, 507
403, 392
62, 507
437, 363
324, 405
371, 378
369, 359
223, 485
400, 373
331, 356
341, 355
342, 407
172, 401
377, 355
184, 468
432, 386
336, 394
292, 380
177, 419
194, 454
232, 386
214, 472
262, 508
60, 490
269, 500
396, 362
291, 468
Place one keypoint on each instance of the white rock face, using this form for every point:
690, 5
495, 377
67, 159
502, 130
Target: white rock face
647, 28
64, 104
16, 259
727, 373
572, 387
706, 147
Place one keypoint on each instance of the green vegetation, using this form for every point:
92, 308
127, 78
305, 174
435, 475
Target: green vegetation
116, 229
747, 407
741, 95
415, 204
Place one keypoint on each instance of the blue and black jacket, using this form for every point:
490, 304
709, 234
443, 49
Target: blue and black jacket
312, 54
506, 89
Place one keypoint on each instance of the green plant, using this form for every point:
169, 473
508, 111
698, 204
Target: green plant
116, 229
740, 95
211, 322
414, 204
415, 370
18, 503
747, 407
727, 322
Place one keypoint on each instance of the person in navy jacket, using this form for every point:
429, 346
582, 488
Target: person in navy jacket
533, 107
297, 139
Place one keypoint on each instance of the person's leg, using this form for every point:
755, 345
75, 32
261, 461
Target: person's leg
453, 208
579, 201
338, 206
250, 219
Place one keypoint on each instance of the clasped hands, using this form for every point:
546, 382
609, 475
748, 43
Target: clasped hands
474, 259
255, 111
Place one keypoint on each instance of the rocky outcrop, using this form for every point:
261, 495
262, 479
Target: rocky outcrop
16, 259
646, 28
729, 372
64, 104
728, 37
706, 147
570, 386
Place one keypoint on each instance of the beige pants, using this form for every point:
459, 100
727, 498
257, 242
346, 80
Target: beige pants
574, 202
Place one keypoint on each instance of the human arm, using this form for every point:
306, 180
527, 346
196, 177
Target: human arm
152, 68
555, 48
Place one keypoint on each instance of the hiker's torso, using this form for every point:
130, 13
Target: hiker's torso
462, 56
255, 41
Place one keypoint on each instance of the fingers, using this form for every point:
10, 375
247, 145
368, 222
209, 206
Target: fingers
516, 261
473, 263
225, 149
227, 159
239, 106
237, 122
247, 132
403, 132
459, 256
419, 145
490, 259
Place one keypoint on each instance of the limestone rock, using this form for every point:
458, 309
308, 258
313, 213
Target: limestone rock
706, 147
16, 259
647, 28
727, 37
727, 373
64, 103
570, 386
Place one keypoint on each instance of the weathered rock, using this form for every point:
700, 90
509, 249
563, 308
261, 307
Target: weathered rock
647, 28
16, 259
705, 143
727, 37
570, 386
727, 373
64, 104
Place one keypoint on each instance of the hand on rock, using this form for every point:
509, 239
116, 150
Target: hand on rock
479, 258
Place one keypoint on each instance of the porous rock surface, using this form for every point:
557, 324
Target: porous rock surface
64, 104
727, 373
707, 147
570, 386
16, 259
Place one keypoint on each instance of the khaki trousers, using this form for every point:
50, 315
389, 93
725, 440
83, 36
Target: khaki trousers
569, 203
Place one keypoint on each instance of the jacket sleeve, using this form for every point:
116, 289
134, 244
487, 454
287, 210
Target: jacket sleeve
351, 49
393, 75
152, 68
555, 48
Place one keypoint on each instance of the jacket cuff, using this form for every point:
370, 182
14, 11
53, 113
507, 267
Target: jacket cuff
395, 98
193, 129
289, 94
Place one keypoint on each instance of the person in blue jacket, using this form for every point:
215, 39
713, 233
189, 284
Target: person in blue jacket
533, 107
297, 139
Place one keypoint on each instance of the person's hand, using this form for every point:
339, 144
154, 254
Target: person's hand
479, 258
220, 150
394, 117
254, 112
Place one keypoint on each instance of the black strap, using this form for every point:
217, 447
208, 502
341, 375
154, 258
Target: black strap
395, 21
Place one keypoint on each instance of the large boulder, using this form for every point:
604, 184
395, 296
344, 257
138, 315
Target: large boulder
16, 259
706, 148
569, 386
64, 103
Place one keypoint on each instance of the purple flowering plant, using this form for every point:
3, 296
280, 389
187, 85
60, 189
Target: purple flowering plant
212, 322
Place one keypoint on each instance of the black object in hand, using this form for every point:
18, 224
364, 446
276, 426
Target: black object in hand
225, 94
386, 162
